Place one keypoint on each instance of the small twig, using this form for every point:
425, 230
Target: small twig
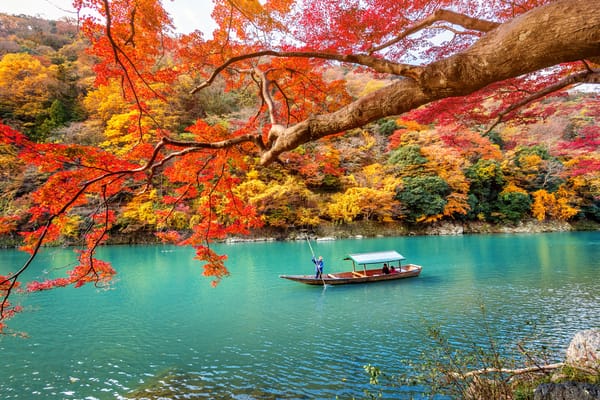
465, 21
529, 357
515, 371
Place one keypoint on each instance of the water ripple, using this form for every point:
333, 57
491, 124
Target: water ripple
162, 332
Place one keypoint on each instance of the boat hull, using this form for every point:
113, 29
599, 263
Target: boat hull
345, 278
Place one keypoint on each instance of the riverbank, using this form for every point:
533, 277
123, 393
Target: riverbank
391, 229
357, 230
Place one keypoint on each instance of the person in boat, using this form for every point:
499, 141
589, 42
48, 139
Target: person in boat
385, 269
318, 266
392, 269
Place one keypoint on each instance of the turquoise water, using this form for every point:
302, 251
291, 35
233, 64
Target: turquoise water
256, 336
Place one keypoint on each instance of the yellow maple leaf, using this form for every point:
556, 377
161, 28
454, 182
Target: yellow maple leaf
249, 8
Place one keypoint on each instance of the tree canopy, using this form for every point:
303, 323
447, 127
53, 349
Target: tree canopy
437, 62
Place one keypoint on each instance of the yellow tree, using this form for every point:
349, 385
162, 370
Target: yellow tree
345, 207
122, 125
25, 90
369, 197
557, 205
364, 202
284, 204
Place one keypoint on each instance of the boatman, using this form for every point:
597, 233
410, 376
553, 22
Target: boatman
318, 266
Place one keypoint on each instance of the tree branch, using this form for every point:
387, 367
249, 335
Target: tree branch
377, 64
367, 60
264, 85
516, 371
587, 76
559, 32
440, 15
210, 145
9, 282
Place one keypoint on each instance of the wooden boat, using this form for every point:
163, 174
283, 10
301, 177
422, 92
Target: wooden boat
365, 273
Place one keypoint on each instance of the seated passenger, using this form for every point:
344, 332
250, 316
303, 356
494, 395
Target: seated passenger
385, 269
392, 269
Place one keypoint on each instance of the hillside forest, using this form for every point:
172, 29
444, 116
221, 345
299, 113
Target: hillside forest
143, 131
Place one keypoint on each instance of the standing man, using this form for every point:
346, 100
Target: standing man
318, 266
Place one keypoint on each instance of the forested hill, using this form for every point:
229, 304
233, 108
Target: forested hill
20, 33
543, 163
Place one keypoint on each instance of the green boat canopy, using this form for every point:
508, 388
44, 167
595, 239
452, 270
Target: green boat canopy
376, 257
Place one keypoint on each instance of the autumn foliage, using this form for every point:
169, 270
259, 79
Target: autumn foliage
290, 114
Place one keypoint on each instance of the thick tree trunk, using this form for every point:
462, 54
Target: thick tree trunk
562, 31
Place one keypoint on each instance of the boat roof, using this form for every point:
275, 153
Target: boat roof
376, 257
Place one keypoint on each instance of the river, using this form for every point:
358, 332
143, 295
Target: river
161, 329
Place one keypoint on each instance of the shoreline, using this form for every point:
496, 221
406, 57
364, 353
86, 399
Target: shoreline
357, 230
366, 229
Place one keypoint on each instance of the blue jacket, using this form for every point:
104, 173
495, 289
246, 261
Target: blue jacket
318, 264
